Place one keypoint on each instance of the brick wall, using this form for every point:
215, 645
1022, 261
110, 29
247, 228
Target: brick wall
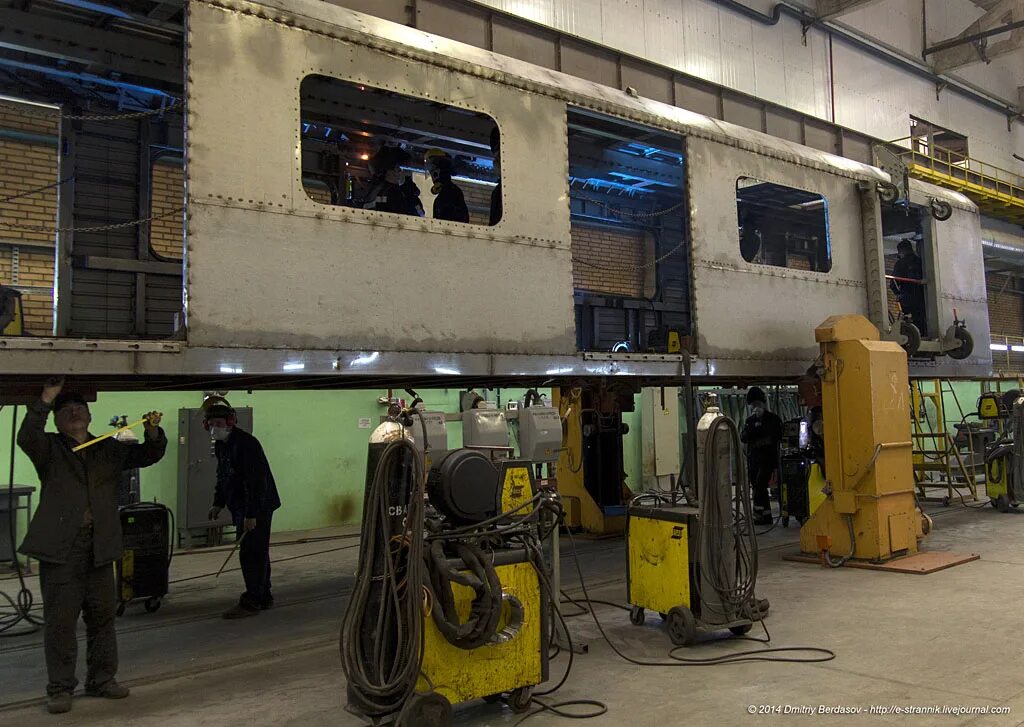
1005, 309
612, 253
165, 233
25, 166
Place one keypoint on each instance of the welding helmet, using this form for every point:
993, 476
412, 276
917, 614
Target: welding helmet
217, 407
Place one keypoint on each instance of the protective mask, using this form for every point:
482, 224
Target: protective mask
219, 434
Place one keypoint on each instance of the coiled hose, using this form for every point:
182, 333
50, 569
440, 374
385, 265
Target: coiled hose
382, 632
733, 581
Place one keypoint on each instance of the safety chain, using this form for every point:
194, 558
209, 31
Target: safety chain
631, 268
634, 215
55, 113
96, 228
30, 192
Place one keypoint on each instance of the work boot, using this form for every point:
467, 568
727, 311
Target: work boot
267, 604
58, 703
240, 611
108, 690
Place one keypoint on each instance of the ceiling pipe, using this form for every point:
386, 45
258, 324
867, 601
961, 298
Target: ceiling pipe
865, 44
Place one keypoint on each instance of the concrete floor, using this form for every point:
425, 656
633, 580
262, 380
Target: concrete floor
948, 639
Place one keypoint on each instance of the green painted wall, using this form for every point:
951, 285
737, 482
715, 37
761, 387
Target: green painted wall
312, 439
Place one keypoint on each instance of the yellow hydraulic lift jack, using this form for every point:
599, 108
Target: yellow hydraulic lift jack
870, 513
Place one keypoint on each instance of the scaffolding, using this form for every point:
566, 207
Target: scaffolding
997, 192
939, 460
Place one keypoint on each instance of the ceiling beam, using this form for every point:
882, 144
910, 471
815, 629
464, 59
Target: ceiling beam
832, 9
102, 50
972, 44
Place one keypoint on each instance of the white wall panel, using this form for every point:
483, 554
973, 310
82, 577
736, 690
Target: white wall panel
664, 32
622, 25
779, 64
580, 19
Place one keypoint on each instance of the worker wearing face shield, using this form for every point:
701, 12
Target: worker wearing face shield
449, 202
762, 433
246, 486
391, 188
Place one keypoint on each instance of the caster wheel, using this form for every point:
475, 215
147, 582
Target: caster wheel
994, 502
1003, 503
945, 501
912, 337
966, 347
741, 630
121, 607
636, 616
425, 709
785, 521
519, 700
682, 626
888, 192
152, 605
941, 211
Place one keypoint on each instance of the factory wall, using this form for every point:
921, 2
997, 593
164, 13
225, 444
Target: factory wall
313, 441
809, 72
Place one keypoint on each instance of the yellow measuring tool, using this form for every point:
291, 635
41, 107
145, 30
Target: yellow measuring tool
110, 434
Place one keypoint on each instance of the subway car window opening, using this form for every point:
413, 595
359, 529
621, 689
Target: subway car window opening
630, 235
783, 226
381, 151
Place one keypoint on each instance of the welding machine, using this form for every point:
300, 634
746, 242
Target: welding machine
452, 596
800, 476
1002, 455
697, 566
143, 570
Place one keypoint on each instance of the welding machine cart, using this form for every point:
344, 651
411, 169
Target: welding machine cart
143, 571
663, 572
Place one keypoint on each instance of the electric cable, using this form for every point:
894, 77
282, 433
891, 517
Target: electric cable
382, 635
22, 603
822, 654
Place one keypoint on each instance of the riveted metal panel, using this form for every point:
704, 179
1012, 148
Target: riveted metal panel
647, 81
960, 272
821, 136
589, 62
268, 266
463, 23
698, 97
743, 111
520, 41
783, 124
786, 304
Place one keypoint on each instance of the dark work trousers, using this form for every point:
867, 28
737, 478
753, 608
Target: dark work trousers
760, 469
254, 557
73, 588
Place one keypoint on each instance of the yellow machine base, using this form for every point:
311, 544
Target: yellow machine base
659, 558
462, 675
920, 563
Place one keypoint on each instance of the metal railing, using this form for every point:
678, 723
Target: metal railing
940, 161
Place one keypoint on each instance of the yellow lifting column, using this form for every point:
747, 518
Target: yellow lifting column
869, 470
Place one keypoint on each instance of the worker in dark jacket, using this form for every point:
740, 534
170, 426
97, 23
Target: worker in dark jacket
75, 535
391, 189
762, 433
909, 285
449, 202
245, 485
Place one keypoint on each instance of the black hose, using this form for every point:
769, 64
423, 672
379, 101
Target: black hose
482, 578
382, 633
